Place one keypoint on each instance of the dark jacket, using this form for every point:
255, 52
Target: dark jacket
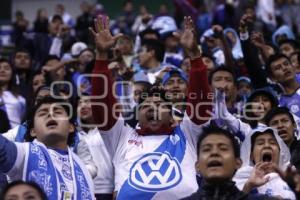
42, 43
83, 23
256, 73
295, 154
4, 122
226, 191
41, 26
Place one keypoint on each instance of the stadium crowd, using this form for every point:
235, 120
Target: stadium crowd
199, 104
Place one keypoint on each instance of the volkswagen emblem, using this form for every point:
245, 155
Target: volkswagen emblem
155, 172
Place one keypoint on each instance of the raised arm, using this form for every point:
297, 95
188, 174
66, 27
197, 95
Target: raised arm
223, 117
198, 91
257, 177
57, 42
229, 61
104, 112
8, 154
257, 39
256, 73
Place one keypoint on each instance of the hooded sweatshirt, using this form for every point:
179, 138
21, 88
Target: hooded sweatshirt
236, 47
275, 186
283, 30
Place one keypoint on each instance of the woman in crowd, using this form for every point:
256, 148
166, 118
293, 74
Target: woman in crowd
10, 100
23, 190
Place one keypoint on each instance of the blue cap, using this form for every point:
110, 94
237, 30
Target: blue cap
244, 78
267, 91
169, 74
141, 77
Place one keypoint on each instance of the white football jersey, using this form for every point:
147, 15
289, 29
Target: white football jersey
104, 181
154, 166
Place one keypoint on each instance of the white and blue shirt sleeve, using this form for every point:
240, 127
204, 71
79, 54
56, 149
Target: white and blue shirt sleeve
12, 156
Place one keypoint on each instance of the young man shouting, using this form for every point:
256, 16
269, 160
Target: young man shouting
153, 161
218, 160
47, 160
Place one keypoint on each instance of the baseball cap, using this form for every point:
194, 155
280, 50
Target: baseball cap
171, 73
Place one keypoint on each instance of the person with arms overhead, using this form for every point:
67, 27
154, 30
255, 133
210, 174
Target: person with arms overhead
154, 160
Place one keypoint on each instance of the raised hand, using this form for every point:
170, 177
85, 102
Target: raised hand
103, 38
63, 30
221, 114
47, 68
257, 39
257, 177
218, 30
218, 106
163, 72
245, 21
126, 73
188, 38
53, 68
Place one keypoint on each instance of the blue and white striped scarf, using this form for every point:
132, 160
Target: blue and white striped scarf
39, 168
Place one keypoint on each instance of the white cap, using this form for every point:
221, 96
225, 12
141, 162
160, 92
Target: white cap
77, 48
164, 24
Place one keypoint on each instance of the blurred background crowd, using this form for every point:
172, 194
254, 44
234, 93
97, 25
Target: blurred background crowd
249, 47
60, 38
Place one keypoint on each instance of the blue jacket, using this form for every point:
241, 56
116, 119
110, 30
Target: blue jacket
223, 191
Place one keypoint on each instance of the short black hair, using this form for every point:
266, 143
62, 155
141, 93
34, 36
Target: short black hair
277, 111
57, 17
207, 55
214, 129
293, 43
53, 91
146, 84
157, 47
2, 60
33, 99
266, 92
50, 100
155, 91
126, 2
148, 31
22, 50
222, 68
21, 182
298, 55
249, 5
50, 57
248, 111
272, 59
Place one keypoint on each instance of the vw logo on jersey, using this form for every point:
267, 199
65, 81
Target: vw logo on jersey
155, 172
